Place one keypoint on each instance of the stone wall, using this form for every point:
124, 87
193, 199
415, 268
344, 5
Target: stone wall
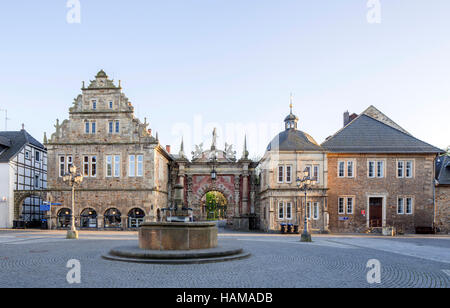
443, 209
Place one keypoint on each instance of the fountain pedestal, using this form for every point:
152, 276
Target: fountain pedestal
177, 235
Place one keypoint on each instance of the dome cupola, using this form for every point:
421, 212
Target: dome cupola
291, 120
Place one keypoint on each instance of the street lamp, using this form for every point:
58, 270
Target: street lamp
73, 178
213, 160
304, 184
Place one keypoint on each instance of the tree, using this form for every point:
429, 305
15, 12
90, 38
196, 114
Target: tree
215, 205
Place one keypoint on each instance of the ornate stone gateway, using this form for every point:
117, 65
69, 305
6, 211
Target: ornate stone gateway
218, 170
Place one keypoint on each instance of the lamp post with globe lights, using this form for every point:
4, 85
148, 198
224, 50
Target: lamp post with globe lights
73, 178
304, 184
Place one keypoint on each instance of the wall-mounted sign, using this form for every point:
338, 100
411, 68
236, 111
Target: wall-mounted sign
343, 218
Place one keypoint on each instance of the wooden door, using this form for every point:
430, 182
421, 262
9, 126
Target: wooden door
376, 212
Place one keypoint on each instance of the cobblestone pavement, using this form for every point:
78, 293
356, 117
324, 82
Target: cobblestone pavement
39, 258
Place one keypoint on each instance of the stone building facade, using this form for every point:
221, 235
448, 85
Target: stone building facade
370, 174
280, 200
442, 193
125, 169
218, 170
379, 176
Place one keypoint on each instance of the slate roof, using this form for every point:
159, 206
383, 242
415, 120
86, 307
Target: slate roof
443, 170
293, 140
368, 135
16, 140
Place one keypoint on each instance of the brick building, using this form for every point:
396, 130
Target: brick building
125, 169
379, 176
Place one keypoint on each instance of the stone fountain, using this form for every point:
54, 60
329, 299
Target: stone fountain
177, 240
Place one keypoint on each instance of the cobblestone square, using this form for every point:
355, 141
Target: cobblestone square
39, 258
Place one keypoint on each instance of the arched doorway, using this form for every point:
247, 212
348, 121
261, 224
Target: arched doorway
113, 218
31, 212
214, 205
64, 218
88, 218
135, 218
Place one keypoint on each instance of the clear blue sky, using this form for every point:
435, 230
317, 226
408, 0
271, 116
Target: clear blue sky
231, 61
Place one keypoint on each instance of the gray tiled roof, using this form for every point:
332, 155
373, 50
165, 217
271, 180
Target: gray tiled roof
443, 170
367, 135
16, 139
293, 140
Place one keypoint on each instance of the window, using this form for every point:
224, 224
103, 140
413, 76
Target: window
110, 127
346, 205
349, 205
380, 169
86, 166
316, 173
405, 169
376, 169
400, 169
280, 210
69, 163
400, 206
94, 104
308, 210
288, 174
131, 165
341, 169
280, 174
409, 166
93, 127
110, 105
62, 165
316, 210
36, 181
288, 210
405, 205
341, 209
94, 166
140, 165
308, 169
117, 166
109, 166
371, 169
350, 169
86, 127
117, 127
38, 156
409, 208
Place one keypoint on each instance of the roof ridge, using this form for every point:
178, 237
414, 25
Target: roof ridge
388, 121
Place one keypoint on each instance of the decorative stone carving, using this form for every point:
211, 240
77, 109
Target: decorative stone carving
198, 151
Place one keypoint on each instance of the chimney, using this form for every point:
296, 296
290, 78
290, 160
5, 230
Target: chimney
346, 118
168, 148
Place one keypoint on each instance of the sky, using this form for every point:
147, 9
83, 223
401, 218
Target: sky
191, 65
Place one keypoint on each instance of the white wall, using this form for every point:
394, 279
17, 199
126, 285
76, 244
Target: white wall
6, 190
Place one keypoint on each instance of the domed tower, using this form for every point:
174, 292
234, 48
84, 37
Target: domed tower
292, 139
291, 120
290, 155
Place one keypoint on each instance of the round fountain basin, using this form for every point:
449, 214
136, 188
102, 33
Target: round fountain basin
177, 235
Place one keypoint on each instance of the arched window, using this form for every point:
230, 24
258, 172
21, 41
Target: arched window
135, 218
113, 218
64, 218
88, 218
